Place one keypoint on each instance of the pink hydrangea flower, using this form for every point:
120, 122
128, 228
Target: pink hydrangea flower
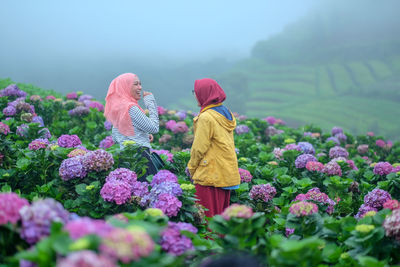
127, 245
303, 208
391, 204
86, 226
314, 166
169, 124
245, 176
264, 192
237, 211
10, 204
38, 144
85, 258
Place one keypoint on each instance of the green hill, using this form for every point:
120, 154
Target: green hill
326, 72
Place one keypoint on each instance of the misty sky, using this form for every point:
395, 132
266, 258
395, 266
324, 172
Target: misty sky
166, 28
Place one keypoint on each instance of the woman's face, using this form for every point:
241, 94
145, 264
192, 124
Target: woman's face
136, 89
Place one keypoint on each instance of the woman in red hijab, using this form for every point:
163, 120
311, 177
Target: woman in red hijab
213, 163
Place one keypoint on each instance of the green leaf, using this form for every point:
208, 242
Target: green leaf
23, 163
80, 189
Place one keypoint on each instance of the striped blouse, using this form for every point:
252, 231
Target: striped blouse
143, 125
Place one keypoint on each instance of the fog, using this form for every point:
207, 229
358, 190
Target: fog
82, 45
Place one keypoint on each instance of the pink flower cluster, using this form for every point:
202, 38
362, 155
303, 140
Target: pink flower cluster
391, 204
392, 224
332, 168
77, 152
237, 211
180, 127
119, 185
165, 152
98, 160
106, 142
85, 258
66, 140
245, 176
86, 226
161, 110
10, 204
72, 95
383, 168
314, 166
264, 192
321, 198
169, 124
303, 208
38, 144
4, 128
127, 245
169, 204
96, 105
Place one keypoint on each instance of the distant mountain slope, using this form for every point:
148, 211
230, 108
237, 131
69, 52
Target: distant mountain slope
338, 66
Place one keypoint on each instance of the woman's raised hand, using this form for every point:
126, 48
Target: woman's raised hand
146, 93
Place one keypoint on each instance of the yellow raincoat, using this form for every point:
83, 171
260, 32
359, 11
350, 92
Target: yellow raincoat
213, 160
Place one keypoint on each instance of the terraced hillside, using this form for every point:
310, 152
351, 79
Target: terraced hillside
360, 96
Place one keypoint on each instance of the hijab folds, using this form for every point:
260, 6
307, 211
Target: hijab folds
208, 92
119, 100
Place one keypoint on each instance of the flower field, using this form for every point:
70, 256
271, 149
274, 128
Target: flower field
69, 196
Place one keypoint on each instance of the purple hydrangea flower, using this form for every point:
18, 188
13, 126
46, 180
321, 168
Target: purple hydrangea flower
86, 226
72, 168
271, 131
107, 125
164, 176
169, 204
181, 115
307, 134
363, 210
4, 128
338, 151
341, 137
293, 147
122, 174
289, 231
303, 208
117, 191
242, 129
127, 245
12, 90
10, 204
9, 111
85, 258
140, 189
22, 130
332, 168
301, 160
66, 140
38, 119
376, 198
383, 168
158, 189
245, 176
173, 242
85, 97
38, 144
380, 143
336, 130
37, 219
106, 142
333, 139
264, 192
316, 195
98, 160
79, 111
306, 147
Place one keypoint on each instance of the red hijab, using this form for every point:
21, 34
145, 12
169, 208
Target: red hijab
208, 92
119, 100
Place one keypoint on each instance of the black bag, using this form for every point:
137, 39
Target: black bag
157, 161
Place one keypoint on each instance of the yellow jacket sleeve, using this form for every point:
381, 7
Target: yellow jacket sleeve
201, 143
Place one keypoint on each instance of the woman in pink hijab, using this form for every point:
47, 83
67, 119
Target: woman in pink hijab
128, 119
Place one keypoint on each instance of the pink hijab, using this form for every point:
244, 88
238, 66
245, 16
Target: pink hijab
119, 100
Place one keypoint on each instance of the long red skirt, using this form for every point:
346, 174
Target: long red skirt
212, 198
